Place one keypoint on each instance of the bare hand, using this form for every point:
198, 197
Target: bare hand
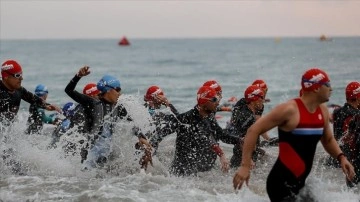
242, 174
146, 159
53, 108
84, 71
162, 99
224, 164
145, 143
348, 169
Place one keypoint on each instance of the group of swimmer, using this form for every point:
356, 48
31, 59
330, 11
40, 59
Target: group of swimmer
302, 122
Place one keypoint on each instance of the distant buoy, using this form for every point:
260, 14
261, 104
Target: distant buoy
324, 38
124, 42
277, 40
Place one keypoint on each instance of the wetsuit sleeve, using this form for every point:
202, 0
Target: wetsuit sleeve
221, 134
168, 117
168, 129
122, 113
173, 109
75, 95
32, 99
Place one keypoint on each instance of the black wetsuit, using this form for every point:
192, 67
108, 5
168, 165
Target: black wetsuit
92, 111
86, 115
241, 119
159, 120
9, 107
10, 102
86, 111
296, 155
351, 147
195, 138
342, 117
107, 115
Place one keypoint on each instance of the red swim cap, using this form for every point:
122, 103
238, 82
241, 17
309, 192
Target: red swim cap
260, 83
313, 79
352, 90
151, 92
214, 85
10, 67
253, 93
90, 89
204, 94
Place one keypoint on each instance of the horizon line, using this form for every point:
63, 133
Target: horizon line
192, 37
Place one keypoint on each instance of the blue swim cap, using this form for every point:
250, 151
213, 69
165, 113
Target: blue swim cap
65, 125
41, 90
69, 109
107, 82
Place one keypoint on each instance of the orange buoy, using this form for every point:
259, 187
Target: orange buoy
124, 42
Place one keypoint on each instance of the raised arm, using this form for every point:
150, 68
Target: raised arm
70, 88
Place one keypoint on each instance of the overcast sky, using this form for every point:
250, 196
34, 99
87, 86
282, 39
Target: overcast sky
180, 19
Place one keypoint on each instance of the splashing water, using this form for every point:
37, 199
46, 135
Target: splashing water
50, 174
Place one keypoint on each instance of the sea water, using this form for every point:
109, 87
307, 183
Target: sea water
179, 67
